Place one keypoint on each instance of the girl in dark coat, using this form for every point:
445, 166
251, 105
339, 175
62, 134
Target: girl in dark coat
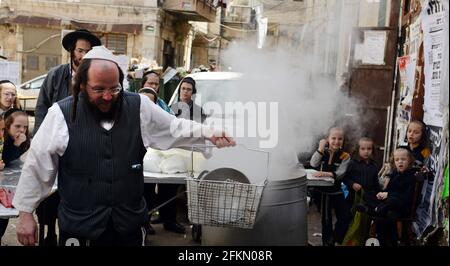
362, 172
17, 138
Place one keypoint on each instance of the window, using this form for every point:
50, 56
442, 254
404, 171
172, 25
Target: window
51, 61
32, 62
115, 42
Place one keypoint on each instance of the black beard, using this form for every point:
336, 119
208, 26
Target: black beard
100, 116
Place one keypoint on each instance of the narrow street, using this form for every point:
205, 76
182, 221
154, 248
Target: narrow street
226, 106
166, 238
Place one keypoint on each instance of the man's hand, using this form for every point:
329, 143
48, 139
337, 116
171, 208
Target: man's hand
222, 140
2, 165
26, 229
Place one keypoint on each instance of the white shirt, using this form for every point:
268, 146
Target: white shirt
51, 140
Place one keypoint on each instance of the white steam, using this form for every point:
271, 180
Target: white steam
309, 102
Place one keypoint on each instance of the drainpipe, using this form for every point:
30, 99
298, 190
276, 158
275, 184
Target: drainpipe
394, 21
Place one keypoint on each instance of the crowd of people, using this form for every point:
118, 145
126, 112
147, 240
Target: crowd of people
94, 134
90, 135
361, 186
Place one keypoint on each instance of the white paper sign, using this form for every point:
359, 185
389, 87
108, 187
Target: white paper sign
169, 74
10, 70
433, 43
374, 47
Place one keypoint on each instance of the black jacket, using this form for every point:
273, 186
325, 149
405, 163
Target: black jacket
11, 152
420, 154
401, 188
55, 87
194, 112
365, 174
338, 166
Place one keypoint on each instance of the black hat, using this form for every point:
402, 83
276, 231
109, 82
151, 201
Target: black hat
70, 39
6, 81
190, 81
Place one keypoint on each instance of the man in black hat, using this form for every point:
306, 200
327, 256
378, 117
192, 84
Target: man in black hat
57, 86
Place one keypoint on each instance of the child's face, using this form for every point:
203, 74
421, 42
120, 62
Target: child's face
414, 133
401, 160
18, 126
336, 139
365, 149
2, 129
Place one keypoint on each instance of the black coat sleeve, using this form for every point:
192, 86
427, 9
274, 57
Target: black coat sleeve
11, 152
44, 101
350, 175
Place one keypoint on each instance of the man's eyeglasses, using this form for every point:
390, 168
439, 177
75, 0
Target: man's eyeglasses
101, 91
9, 94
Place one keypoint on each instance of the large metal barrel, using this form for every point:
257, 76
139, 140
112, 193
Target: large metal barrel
281, 219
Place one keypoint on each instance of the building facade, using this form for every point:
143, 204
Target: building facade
150, 30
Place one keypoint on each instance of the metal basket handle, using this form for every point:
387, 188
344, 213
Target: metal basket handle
203, 146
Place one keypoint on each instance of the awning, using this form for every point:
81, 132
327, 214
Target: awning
55, 22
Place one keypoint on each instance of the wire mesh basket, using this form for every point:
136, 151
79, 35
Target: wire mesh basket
225, 203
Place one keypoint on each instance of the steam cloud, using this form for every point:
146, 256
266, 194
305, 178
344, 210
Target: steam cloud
309, 102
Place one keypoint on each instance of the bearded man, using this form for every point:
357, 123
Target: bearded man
57, 86
96, 141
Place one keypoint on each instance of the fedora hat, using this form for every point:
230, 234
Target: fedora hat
70, 39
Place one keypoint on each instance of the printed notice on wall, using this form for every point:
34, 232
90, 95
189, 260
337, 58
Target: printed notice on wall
374, 47
9, 70
433, 43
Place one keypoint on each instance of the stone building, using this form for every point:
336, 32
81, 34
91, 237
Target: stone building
157, 30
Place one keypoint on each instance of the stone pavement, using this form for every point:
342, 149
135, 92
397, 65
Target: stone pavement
166, 238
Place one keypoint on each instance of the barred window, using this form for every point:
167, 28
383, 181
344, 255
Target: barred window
51, 61
115, 42
32, 62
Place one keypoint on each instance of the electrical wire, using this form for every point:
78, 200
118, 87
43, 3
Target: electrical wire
40, 44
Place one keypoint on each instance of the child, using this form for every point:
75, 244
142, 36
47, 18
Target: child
417, 142
396, 199
331, 161
362, 172
17, 140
